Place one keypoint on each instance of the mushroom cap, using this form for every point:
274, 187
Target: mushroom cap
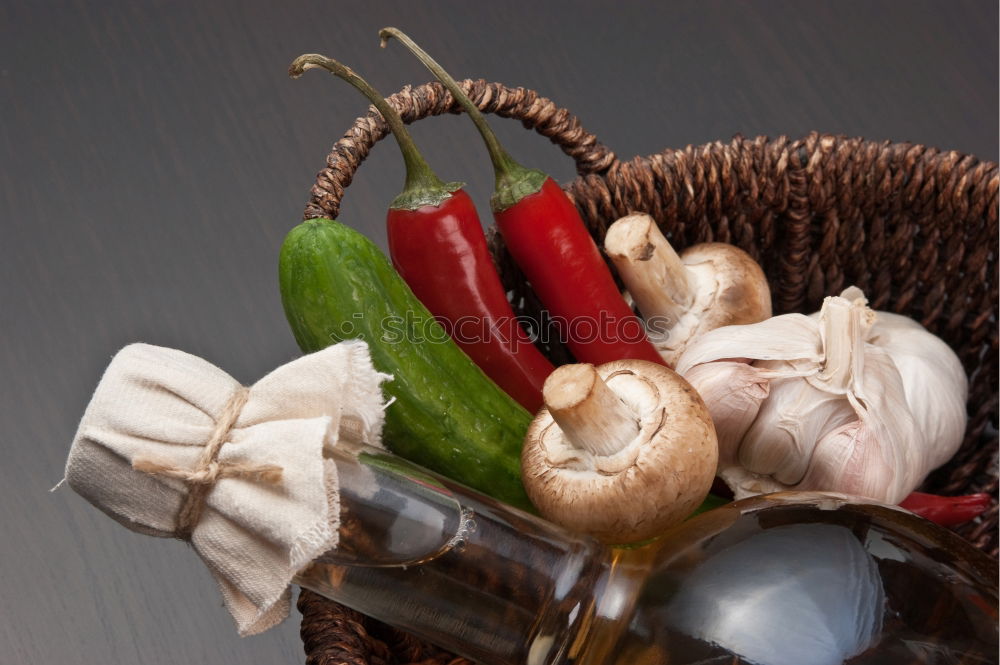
654, 482
742, 295
730, 290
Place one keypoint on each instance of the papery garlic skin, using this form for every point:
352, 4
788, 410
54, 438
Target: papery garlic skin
919, 355
790, 422
847, 400
737, 390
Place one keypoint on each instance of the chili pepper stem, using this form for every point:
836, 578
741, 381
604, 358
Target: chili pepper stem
422, 186
513, 181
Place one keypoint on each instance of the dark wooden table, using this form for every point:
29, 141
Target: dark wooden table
154, 155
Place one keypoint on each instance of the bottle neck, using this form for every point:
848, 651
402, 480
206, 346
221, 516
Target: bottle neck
459, 570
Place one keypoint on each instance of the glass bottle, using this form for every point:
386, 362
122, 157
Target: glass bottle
789, 579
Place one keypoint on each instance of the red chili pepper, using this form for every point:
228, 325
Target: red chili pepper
437, 245
947, 510
550, 243
442, 254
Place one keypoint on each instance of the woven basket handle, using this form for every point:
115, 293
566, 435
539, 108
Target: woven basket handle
429, 99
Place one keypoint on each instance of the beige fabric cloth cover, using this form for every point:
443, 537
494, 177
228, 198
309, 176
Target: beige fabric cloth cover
161, 403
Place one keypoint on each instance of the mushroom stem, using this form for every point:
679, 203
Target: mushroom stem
589, 413
657, 279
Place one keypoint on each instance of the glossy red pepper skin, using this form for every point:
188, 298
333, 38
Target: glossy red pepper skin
549, 241
947, 510
441, 253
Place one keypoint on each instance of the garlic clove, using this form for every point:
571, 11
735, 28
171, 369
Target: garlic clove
880, 400
854, 459
789, 423
938, 405
733, 392
799, 413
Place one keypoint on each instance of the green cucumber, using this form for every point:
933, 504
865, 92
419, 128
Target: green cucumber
447, 415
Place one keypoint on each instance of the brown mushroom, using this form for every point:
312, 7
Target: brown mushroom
708, 286
621, 451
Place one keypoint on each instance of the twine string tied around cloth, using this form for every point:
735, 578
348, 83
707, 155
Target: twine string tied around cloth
208, 470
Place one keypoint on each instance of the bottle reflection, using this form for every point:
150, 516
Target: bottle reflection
826, 584
804, 578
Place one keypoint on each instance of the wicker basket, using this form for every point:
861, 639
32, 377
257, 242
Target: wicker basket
914, 227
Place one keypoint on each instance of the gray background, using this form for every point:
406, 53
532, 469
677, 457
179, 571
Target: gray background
154, 154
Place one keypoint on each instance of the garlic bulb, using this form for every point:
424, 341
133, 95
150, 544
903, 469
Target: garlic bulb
847, 400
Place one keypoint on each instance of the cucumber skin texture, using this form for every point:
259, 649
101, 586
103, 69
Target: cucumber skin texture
448, 416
